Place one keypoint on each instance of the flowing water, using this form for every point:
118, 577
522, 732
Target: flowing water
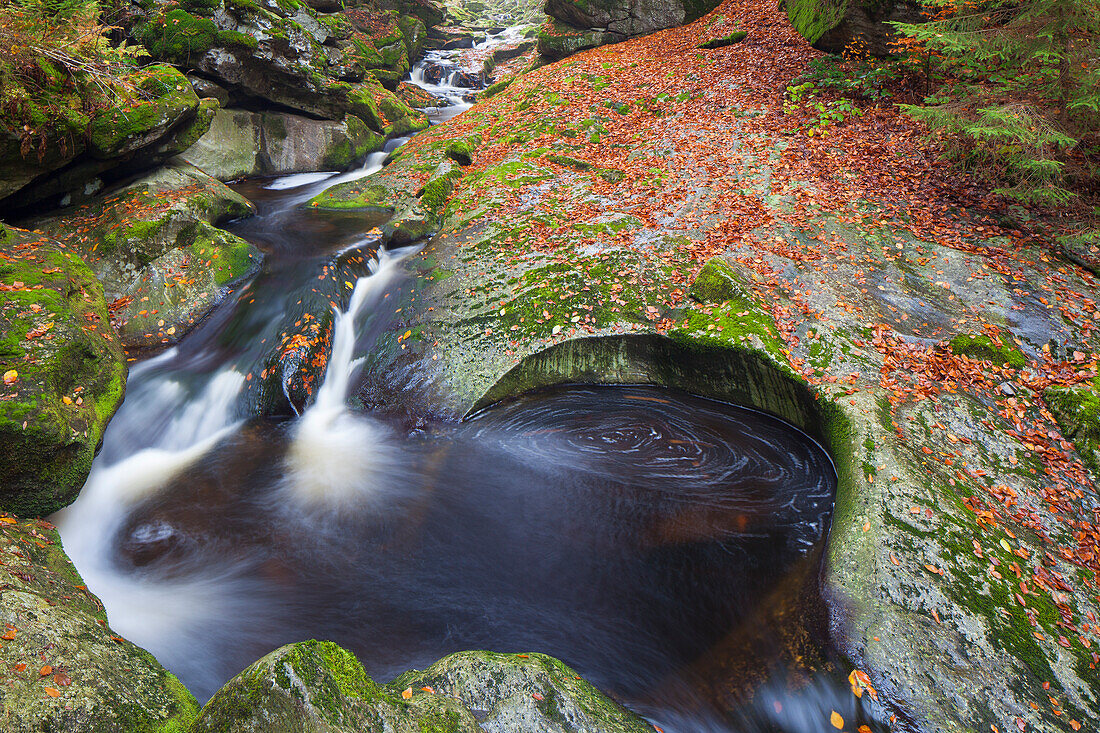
644, 536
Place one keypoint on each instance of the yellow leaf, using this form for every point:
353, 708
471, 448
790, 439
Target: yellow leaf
1007, 547
836, 720
10, 376
67, 400
406, 693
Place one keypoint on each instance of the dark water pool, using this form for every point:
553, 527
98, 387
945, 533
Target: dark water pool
633, 532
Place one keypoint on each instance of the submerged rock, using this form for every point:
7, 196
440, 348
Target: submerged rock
318, 686
64, 669
155, 247
63, 373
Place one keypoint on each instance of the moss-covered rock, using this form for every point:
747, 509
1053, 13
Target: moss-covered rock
119, 130
64, 373
154, 246
718, 282
1077, 410
293, 56
160, 118
523, 692
462, 150
580, 24
318, 687
557, 40
987, 348
64, 669
831, 25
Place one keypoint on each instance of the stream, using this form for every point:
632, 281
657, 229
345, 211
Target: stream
633, 532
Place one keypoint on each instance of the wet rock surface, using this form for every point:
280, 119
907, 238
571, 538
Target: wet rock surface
155, 247
64, 668
318, 686
242, 143
63, 372
917, 357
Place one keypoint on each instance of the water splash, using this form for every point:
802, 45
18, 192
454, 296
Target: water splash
335, 459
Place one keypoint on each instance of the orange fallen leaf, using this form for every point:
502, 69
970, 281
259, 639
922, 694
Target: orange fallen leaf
10, 376
52, 692
836, 720
406, 693
47, 669
537, 696
62, 680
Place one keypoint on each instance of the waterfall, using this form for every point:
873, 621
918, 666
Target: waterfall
335, 458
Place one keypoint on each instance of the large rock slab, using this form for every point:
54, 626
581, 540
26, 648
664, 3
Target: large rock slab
154, 245
63, 373
581, 24
64, 669
242, 143
959, 567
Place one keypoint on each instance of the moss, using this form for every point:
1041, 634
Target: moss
462, 150
436, 192
717, 282
236, 39
986, 348
812, 18
179, 36
494, 89
354, 195
1077, 410
70, 377
723, 41
170, 99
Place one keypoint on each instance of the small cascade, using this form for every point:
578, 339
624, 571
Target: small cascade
335, 459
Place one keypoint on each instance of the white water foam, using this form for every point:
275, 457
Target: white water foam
337, 460
299, 179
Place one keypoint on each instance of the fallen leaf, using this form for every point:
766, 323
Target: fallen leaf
836, 720
10, 376
46, 670
406, 693
52, 692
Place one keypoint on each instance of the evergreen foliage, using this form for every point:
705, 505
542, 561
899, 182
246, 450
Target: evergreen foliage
1021, 98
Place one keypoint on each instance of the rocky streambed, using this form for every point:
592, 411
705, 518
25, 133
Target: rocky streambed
645, 213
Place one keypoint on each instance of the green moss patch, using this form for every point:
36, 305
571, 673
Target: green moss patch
986, 348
